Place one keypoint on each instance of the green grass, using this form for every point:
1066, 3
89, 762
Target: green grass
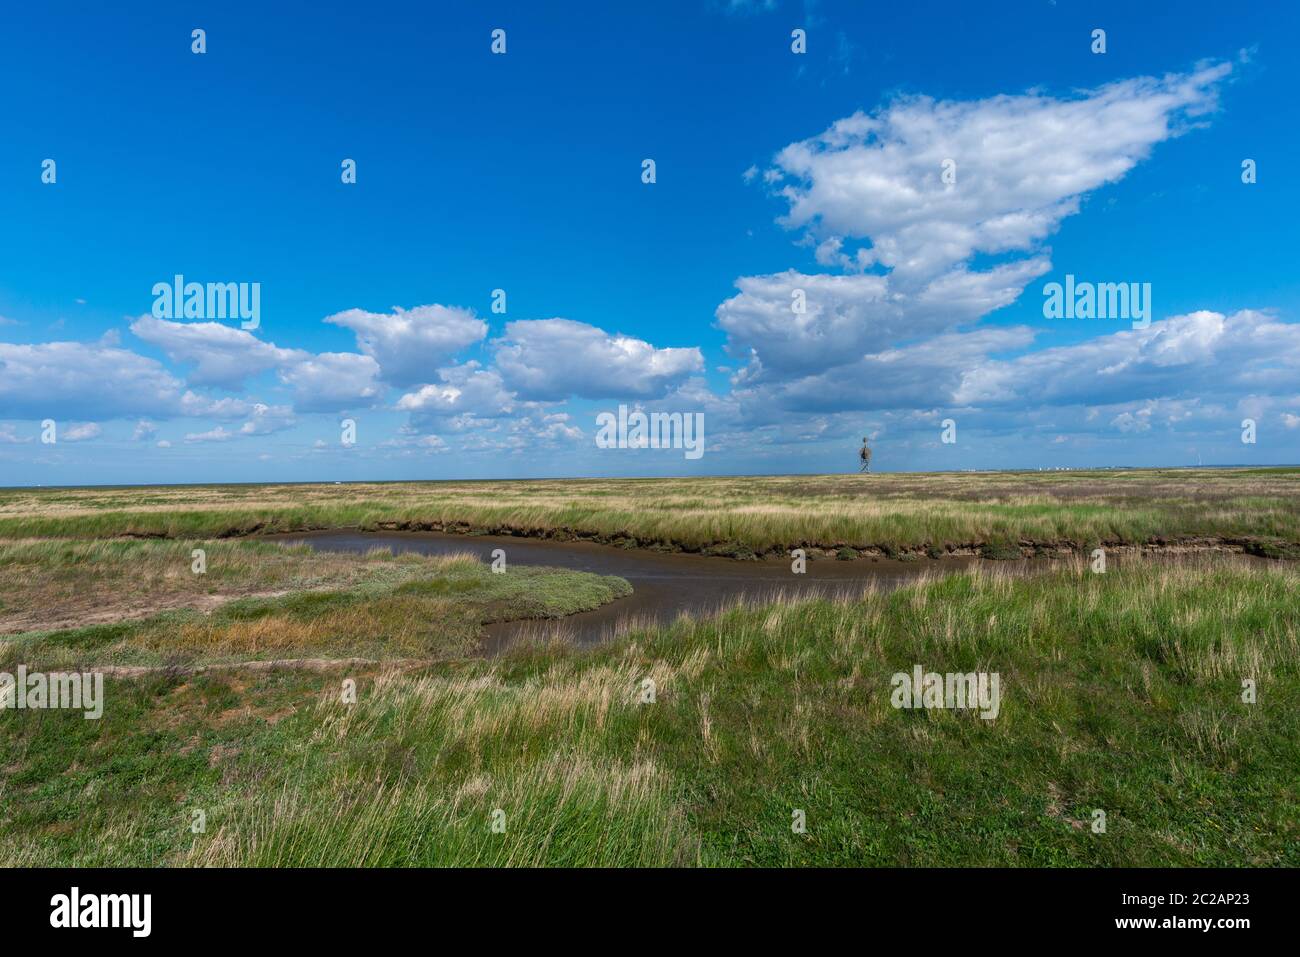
1120, 692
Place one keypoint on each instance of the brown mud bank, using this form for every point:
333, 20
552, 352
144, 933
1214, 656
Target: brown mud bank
846, 551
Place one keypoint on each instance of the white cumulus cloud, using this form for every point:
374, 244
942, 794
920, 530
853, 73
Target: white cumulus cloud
553, 359
409, 344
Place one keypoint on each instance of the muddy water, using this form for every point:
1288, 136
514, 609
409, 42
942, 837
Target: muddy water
664, 586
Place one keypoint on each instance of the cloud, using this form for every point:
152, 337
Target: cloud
921, 375
467, 391
219, 434
221, 355
194, 405
536, 430
225, 356
552, 359
75, 380
900, 327
1022, 164
267, 419
81, 432
745, 7
1187, 372
1199, 354
144, 431
333, 382
847, 317
1133, 422
413, 441
264, 420
407, 344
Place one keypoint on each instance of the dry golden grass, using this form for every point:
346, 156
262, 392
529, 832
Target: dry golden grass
63, 584
953, 511
138, 604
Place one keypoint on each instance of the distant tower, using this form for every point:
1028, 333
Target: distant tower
864, 454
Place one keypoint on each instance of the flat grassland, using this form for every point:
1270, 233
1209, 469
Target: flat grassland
689, 744
890, 514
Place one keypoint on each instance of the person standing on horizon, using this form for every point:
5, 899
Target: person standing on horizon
864, 454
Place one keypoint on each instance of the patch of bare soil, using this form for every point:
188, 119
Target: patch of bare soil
107, 611
271, 664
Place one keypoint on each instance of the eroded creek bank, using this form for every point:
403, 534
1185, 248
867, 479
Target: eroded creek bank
667, 585
664, 585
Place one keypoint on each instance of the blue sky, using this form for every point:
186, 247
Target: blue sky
775, 172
